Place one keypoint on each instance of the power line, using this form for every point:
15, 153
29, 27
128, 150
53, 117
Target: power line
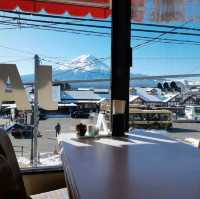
75, 68
97, 26
166, 39
96, 20
57, 22
104, 27
28, 52
16, 60
16, 50
156, 38
48, 60
60, 29
99, 34
167, 32
185, 58
166, 26
96, 33
58, 63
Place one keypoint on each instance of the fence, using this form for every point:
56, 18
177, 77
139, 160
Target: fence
19, 149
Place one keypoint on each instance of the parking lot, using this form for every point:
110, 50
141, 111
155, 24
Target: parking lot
47, 142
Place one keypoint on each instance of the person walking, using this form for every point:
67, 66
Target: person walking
57, 128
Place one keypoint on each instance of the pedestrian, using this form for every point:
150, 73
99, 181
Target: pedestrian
57, 128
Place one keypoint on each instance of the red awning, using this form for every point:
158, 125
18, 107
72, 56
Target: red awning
97, 8
151, 10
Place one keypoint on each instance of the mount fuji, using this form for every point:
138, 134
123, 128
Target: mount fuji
85, 67
88, 67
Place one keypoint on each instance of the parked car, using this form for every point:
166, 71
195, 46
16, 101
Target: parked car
80, 114
21, 131
43, 116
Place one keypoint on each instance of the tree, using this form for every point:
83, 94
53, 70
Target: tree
166, 86
173, 86
159, 85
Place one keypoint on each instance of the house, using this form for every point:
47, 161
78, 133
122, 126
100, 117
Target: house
85, 99
189, 100
150, 97
172, 99
136, 100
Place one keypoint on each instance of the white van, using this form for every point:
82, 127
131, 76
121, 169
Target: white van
192, 112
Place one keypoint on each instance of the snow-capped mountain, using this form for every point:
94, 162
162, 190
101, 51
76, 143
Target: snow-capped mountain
84, 67
87, 67
84, 63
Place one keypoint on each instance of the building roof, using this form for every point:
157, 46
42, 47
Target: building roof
169, 97
143, 94
133, 97
101, 91
87, 95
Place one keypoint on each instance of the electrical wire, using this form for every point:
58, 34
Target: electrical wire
90, 33
96, 20
16, 60
57, 22
78, 31
104, 27
158, 37
59, 29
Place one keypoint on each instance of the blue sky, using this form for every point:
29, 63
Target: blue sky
153, 59
48, 44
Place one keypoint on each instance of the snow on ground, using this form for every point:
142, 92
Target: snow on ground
45, 159
133, 130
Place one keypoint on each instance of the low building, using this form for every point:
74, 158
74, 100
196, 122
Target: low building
149, 96
136, 100
85, 99
172, 99
189, 100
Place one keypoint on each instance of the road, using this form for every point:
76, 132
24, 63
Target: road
181, 131
48, 143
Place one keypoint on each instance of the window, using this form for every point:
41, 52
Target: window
79, 101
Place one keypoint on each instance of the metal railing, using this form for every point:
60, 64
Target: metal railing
19, 149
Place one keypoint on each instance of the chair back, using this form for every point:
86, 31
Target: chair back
14, 178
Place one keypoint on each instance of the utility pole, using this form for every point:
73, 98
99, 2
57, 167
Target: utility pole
36, 113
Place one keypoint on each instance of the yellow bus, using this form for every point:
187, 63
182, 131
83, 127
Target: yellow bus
144, 118
158, 119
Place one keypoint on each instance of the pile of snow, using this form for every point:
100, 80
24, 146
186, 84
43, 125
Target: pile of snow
45, 159
23, 162
49, 159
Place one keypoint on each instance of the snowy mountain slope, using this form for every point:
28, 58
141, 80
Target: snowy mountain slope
87, 67
85, 63
84, 67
